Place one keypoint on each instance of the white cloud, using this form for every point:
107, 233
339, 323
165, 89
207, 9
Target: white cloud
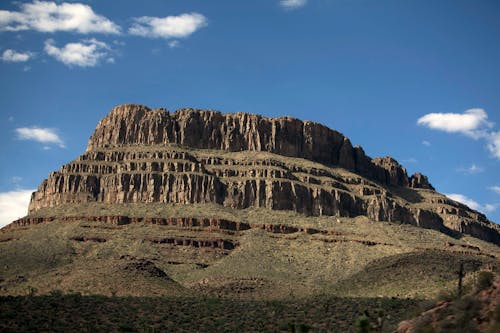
487, 208
472, 122
173, 44
292, 4
475, 169
495, 189
493, 145
14, 56
472, 169
87, 53
48, 16
43, 135
426, 143
13, 205
180, 26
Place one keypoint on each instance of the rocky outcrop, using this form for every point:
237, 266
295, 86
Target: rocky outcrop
139, 125
89, 239
179, 222
394, 173
474, 312
147, 268
419, 180
183, 222
223, 244
142, 155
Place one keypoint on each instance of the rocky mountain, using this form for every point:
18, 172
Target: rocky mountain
183, 221
142, 155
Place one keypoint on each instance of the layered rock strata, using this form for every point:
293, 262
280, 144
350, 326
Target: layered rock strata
138, 125
240, 160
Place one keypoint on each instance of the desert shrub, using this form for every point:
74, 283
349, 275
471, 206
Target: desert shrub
298, 328
447, 296
467, 308
363, 324
494, 317
125, 327
458, 318
484, 280
468, 304
31, 291
56, 293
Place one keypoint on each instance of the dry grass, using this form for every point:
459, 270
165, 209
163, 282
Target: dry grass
264, 265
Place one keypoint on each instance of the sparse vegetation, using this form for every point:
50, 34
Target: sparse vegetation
476, 311
275, 280
484, 280
69, 312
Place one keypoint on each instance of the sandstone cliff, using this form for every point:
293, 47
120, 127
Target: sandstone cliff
240, 160
136, 124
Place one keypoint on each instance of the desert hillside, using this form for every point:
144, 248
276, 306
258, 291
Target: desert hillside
200, 208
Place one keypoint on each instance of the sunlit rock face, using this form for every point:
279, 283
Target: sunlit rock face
241, 160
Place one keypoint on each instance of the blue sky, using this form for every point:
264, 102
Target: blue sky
417, 80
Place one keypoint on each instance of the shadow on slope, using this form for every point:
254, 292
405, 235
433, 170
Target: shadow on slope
73, 312
415, 274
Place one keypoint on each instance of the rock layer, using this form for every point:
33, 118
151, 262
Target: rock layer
240, 160
139, 125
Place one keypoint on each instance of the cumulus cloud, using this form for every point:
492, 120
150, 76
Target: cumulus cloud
487, 208
292, 4
43, 135
180, 26
87, 53
495, 189
473, 123
14, 56
48, 16
13, 205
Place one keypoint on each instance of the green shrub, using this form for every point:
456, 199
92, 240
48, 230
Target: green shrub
363, 325
447, 296
125, 327
484, 280
298, 328
32, 291
56, 293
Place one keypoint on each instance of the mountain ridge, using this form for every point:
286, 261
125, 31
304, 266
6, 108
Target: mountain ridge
210, 129
241, 160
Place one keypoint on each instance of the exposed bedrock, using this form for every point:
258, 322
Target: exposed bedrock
137, 124
142, 155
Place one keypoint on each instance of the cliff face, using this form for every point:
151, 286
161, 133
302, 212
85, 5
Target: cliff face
240, 160
139, 125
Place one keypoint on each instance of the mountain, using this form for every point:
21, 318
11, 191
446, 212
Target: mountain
240, 160
272, 215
